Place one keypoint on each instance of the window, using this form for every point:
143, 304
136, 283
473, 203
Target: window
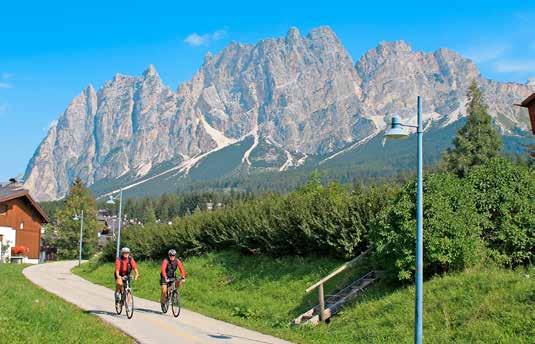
3, 209
21, 224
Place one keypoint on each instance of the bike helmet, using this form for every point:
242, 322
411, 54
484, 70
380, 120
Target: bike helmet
125, 250
172, 252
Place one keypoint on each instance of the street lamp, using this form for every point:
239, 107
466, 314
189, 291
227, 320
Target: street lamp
396, 131
81, 218
111, 200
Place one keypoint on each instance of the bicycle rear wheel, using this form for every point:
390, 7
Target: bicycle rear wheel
129, 304
175, 303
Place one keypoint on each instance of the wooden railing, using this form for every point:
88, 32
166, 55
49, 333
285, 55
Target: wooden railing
319, 284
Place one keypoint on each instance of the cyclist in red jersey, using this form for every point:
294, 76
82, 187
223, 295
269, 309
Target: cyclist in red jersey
169, 267
123, 267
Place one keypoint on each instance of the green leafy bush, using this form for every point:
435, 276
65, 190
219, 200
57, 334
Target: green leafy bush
492, 210
504, 194
451, 229
315, 219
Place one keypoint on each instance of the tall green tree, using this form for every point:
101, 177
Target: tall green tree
68, 230
477, 141
149, 215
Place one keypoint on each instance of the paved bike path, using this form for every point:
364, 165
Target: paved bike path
148, 324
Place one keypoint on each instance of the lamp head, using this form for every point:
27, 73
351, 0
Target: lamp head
396, 130
110, 200
75, 218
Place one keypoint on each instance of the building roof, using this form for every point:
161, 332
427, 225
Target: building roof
528, 100
529, 103
7, 194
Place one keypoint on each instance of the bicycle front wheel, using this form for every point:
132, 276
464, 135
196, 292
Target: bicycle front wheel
119, 306
129, 304
175, 303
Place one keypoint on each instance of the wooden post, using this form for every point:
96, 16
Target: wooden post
322, 302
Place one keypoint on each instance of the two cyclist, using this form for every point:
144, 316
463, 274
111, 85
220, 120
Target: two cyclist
126, 264
170, 265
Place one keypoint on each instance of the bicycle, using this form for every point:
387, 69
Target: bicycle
126, 298
173, 298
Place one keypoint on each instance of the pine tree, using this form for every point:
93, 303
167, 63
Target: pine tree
68, 229
477, 141
149, 215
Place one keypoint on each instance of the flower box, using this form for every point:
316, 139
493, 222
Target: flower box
19, 250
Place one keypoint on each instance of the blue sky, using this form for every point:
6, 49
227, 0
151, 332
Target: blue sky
50, 51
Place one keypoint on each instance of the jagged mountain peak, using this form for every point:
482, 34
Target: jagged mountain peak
279, 96
393, 47
150, 71
324, 31
207, 57
293, 34
90, 88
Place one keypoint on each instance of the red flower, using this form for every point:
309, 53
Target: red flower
19, 250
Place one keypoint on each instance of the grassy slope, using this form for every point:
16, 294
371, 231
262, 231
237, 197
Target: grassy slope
264, 294
28, 314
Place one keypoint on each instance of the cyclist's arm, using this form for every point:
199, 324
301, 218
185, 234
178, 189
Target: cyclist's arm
181, 268
164, 268
117, 265
134, 267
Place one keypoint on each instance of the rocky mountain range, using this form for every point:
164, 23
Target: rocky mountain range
281, 101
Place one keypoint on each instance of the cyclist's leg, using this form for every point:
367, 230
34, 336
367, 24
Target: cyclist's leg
163, 285
120, 284
118, 287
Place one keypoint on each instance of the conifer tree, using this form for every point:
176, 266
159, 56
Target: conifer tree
477, 141
68, 230
149, 215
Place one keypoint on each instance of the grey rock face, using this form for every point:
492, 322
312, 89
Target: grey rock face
295, 95
300, 91
393, 75
126, 128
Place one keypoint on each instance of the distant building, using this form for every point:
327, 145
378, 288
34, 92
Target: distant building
102, 214
212, 206
21, 221
209, 206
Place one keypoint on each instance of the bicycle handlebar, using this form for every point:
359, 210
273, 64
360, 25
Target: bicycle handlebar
173, 279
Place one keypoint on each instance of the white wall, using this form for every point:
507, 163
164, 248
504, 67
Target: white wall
10, 236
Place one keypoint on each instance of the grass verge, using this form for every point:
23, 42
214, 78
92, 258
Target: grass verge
264, 294
28, 314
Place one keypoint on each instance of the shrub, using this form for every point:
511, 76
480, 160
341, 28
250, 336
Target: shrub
315, 219
504, 194
451, 229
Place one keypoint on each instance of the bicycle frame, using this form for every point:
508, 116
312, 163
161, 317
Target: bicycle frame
127, 290
172, 294
126, 283
171, 286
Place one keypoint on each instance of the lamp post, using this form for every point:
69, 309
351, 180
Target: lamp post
111, 200
81, 218
397, 132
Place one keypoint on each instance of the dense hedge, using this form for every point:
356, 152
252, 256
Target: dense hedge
315, 219
490, 213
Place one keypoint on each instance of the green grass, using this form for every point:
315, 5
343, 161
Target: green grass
28, 314
476, 306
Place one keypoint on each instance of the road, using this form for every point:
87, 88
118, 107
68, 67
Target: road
148, 324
